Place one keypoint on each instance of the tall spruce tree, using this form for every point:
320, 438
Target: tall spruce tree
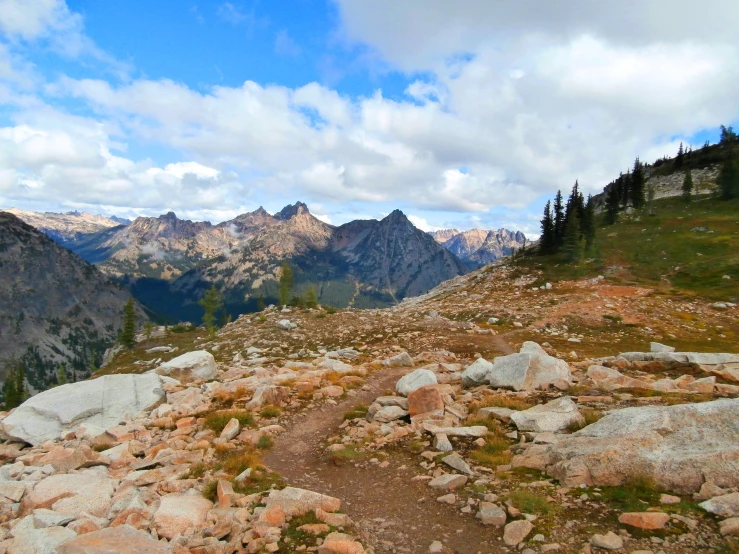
613, 205
546, 242
728, 180
588, 223
573, 245
680, 158
625, 196
211, 302
688, 186
637, 185
559, 220
128, 334
286, 283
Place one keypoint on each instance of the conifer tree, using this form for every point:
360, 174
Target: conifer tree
211, 302
286, 284
612, 205
310, 298
688, 186
680, 156
728, 180
588, 223
10, 394
546, 242
625, 196
637, 185
261, 304
61, 375
572, 243
559, 220
128, 334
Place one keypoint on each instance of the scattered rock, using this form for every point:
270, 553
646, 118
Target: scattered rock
609, 541
516, 531
448, 481
198, 365
645, 520
726, 505
123, 539
415, 380
553, 416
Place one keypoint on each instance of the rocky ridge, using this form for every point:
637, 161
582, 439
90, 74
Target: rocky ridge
420, 453
65, 228
478, 247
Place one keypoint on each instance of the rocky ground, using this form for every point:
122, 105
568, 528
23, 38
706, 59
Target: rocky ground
495, 414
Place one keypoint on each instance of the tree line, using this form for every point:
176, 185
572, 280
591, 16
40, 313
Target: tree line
568, 229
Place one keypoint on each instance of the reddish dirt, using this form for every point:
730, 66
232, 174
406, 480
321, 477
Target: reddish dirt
393, 513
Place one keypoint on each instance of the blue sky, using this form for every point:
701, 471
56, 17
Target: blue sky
463, 114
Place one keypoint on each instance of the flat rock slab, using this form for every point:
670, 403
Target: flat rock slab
103, 402
448, 482
645, 520
553, 416
297, 502
192, 366
178, 512
455, 461
71, 494
475, 431
726, 505
123, 539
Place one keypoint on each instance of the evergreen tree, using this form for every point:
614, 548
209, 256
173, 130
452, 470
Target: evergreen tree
10, 394
310, 298
286, 283
588, 223
680, 156
61, 375
637, 185
625, 197
547, 240
211, 302
128, 333
148, 329
573, 244
688, 186
224, 318
728, 180
261, 304
727, 135
612, 205
559, 220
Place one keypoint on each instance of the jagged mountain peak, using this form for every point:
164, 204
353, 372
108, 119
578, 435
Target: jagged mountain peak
292, 210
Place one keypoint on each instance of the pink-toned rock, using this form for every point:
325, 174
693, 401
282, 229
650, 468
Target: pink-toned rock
71, 494
314, 528
177, 512
295, 502
516, 531
339, 543
645, 520
123, 539
225, 493
332, 391
274, 516
231, 429
425, 400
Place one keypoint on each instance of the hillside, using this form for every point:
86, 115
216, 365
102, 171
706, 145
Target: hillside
68, 229
55, 308
478, 247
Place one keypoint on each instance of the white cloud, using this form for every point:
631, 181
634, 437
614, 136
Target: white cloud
285, 45
30, 19
422, 224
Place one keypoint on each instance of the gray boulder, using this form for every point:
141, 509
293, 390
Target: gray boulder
530, 369
415, 380
679, 447
102, 402
553, 416
198, 365
476, 373
286, 325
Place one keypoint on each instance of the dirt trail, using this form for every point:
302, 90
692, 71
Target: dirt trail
394, 513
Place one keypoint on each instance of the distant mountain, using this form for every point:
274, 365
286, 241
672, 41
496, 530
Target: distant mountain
55, 308
68, 228
478, 247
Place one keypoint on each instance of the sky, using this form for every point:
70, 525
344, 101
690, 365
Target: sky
464, 113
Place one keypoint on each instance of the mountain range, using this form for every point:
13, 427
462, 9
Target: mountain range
55, 308
478, 247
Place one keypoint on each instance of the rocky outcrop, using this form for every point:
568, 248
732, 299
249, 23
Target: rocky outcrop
553, 416
101, 402
679, 447
530, 369
478, 247
198, 365
68, 228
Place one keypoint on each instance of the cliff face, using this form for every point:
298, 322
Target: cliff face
55, 308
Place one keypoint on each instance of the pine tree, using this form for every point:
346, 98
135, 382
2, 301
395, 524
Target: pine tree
680, 156
637, 185
588, 223
573, 244
559, 220
728, 180
625, 197
310, 298
211, 302
688, 186
128, 333
546, 242
61, 375
10, 394
286, 283
20, 384
612, 205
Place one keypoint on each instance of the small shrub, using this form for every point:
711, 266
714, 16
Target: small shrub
218, 420
590, 415
330, 310
346, 454
270, 411
265, 442
496, 452
234, 462
358, 411
182, 328
210, 491
196, 471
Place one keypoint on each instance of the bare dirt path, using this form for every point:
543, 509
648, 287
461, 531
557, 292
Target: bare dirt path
394, 513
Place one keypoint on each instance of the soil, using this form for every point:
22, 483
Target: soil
393, 513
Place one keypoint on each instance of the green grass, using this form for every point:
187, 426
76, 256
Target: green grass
270, 411
530, 502
357, 412
210, 491
265, 442
218, 420
650, 247
346, 454
196, 471
590, 416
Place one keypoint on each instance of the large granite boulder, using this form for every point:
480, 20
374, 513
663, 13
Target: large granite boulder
553, 416
530, 369
679, 447
415, 380
123, 539
198, 365
102, 402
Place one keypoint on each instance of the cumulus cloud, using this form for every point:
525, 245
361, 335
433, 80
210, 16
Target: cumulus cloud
422, 224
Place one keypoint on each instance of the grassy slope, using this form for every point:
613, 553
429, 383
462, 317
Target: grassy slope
661, 251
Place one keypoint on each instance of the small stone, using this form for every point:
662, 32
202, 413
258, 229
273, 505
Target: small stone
730, 527
450, 498
448, 481
436, 548
516, 531
609, 541
491, 514
645, 520
442, 444
669, 499
231, 429
455, 461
